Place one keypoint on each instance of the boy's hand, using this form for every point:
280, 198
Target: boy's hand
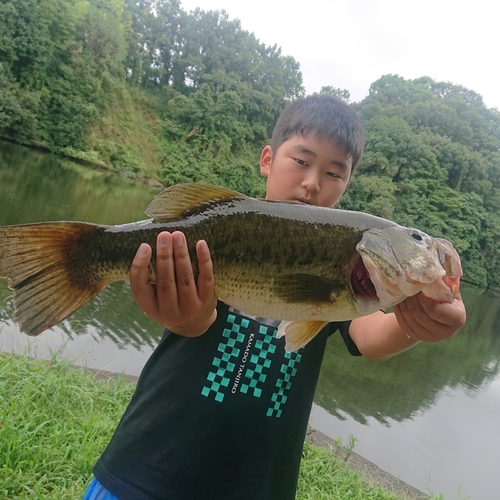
183, 305
425, 319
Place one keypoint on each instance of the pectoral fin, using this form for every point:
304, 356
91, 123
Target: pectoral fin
301, 287
299, 333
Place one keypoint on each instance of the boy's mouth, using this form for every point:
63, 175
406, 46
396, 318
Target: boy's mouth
301, 200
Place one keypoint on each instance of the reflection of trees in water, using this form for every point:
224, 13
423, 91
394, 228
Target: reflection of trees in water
411, 382
37, 187
113, 314
41, 187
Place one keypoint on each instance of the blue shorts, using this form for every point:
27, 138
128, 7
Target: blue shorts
96, 491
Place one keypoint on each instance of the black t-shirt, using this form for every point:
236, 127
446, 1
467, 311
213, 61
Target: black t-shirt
220, 416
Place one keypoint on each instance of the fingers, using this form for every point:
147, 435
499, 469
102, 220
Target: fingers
174, 273
205, 273
425, 319
184, 277
178, 301
142, 289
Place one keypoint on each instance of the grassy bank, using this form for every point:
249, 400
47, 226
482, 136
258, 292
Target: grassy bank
55, 421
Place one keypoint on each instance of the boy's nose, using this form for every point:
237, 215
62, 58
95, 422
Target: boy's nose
311, 183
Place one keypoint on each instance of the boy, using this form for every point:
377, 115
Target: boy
221, 410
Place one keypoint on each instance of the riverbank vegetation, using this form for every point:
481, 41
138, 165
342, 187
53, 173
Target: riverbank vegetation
57, 420
148, 89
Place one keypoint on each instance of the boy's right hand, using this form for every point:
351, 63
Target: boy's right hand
179, 302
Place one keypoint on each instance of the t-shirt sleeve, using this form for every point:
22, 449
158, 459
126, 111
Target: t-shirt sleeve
343, 328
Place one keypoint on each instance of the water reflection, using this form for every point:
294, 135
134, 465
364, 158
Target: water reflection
37, 187
409, 384
428, 416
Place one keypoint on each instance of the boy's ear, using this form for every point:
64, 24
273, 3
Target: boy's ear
266, 158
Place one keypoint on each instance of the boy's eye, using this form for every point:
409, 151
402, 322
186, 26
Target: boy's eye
300, 162
333, 175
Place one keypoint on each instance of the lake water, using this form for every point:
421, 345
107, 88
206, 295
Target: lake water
429, 416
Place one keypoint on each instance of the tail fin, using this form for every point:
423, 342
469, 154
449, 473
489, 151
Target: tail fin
41, 262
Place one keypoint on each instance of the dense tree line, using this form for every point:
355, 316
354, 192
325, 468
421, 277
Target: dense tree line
75, 74
432, 161
65, 64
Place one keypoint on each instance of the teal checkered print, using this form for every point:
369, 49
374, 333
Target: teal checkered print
229, 351
283, 384
243, 364
254, 375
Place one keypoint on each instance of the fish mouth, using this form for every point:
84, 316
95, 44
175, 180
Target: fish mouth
361, 284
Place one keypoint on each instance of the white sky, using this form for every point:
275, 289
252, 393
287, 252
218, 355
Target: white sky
351, 43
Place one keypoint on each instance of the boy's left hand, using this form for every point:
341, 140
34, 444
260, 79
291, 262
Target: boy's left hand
425, 319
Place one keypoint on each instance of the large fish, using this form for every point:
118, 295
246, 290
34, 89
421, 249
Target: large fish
301, 264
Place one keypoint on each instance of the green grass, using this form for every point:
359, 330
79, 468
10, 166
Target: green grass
54, 423
55, 420
324, 475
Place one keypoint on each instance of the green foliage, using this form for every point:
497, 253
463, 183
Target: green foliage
209, 140
17, 109
324, 475
342, 94
68, 70
56, 421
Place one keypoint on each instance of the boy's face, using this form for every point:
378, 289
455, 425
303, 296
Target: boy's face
306, 169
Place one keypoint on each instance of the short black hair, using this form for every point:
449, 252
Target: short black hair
324, 116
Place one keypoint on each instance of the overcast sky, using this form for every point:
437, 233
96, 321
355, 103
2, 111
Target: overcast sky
351, 43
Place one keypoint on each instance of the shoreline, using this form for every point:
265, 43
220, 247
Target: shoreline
370, 472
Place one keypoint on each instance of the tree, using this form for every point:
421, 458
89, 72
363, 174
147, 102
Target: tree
432, 161
342, 94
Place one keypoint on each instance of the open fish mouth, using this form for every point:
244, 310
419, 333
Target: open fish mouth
361, 284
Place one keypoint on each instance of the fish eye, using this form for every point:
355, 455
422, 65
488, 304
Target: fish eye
417, 236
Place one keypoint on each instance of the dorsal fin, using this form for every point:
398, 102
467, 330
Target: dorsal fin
177, 201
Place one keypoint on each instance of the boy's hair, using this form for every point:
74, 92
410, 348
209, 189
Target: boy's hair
326, 117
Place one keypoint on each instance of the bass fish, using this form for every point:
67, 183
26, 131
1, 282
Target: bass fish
286, 261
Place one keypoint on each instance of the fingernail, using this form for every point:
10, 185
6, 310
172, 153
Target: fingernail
203, 246
164, 240
143, 250
178, 239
